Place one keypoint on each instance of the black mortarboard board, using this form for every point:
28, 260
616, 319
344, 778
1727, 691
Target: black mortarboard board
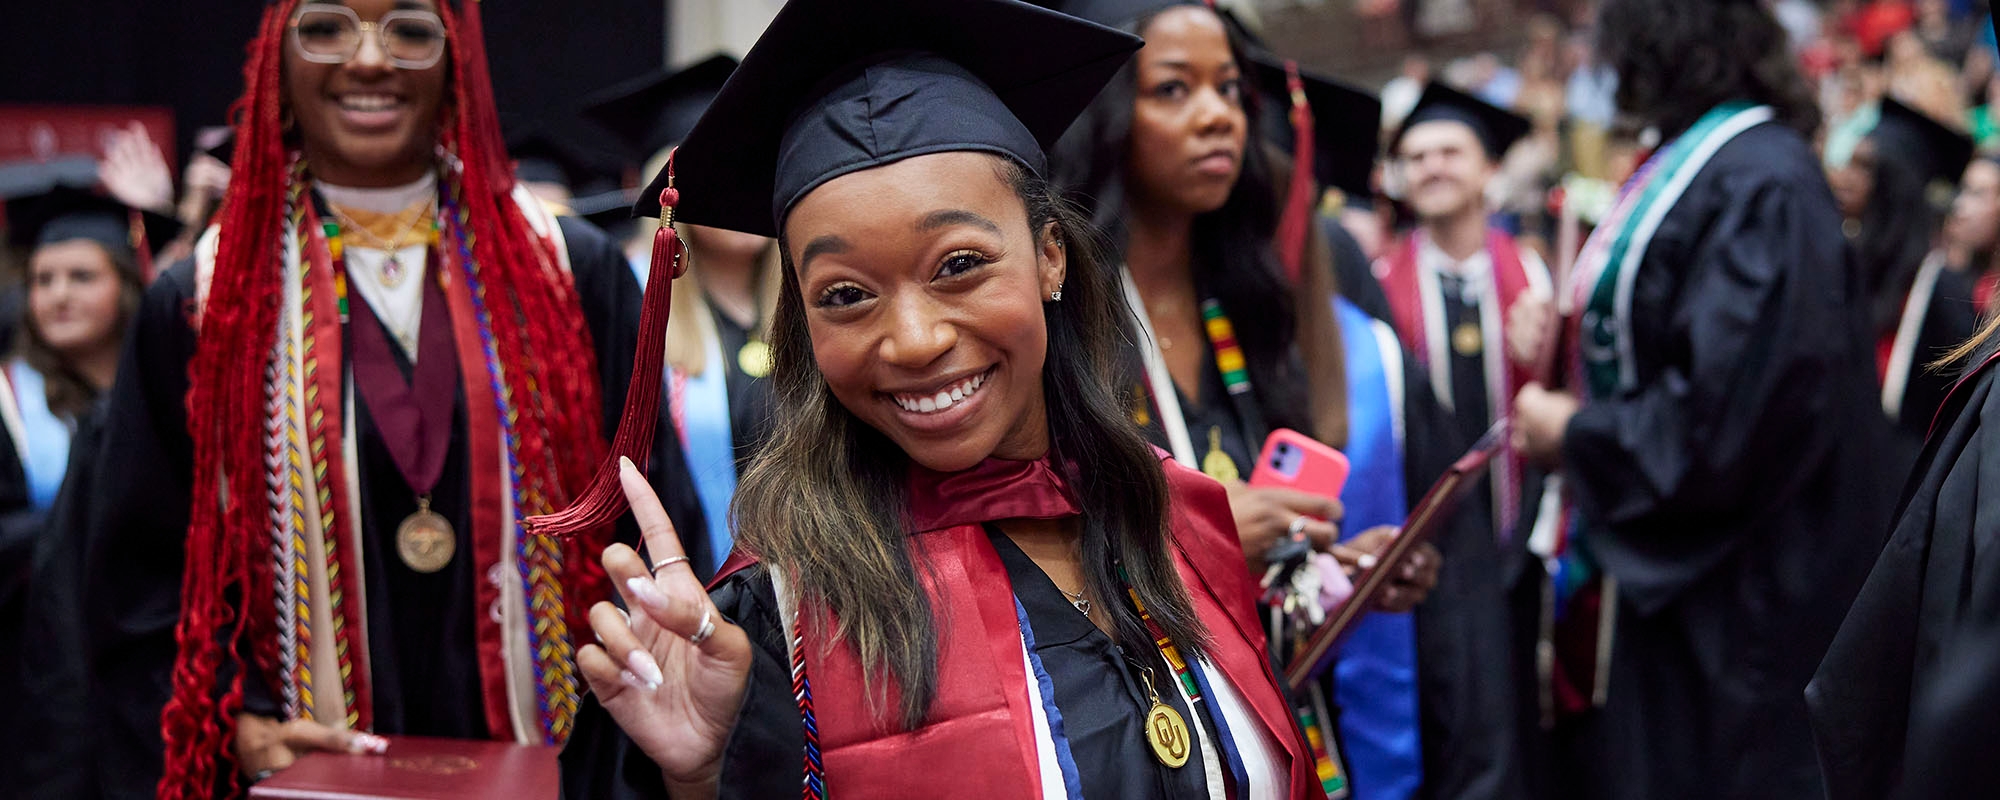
1115, 13
1496, 127
545, 153
1347, 124
1940, 152
66, 213
836, 86
653, 111
609, 210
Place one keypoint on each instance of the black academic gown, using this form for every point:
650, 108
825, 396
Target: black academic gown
1907, 702
52, 736
1737, 493
1353, 273
421, 631
749, 396
21, 530
1949, 319
1467, 684
1097, 689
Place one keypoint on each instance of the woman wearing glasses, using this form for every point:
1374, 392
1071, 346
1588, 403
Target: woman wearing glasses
380, 357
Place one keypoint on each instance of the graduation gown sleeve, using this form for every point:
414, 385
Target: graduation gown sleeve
763, 756
132, 538
1904, 704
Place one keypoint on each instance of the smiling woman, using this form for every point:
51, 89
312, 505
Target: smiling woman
955, 549
382, 354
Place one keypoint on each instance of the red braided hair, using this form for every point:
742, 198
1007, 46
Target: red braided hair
537, 329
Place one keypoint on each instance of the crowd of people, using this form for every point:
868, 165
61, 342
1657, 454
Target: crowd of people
950, 359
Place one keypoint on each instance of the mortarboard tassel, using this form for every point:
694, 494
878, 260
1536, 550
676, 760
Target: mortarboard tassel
1297, 217
603, 500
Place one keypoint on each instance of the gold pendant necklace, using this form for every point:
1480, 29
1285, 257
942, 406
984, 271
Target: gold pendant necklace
754, 359
425, 540
1166, 731
1467, 340
1217, 464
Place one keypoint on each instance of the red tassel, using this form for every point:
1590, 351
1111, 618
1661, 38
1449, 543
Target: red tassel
604, 499
1300, 204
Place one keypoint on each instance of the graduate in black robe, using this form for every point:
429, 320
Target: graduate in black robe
1905, 704
1728, 471
1903, 175
136, 515
428, 670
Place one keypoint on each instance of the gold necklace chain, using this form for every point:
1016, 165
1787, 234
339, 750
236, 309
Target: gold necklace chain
423, 212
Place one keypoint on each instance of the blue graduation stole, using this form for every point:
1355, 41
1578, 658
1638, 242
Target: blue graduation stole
1375, 678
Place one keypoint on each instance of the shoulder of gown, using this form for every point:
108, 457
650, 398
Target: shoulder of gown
1907, 684
765, 750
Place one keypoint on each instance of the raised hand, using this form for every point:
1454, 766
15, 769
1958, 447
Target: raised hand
673, 673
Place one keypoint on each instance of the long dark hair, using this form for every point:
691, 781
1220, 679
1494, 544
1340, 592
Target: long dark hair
1233, 260
1676, 59
1897, 228
824, 499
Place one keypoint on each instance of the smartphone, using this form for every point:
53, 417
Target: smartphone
1293, 460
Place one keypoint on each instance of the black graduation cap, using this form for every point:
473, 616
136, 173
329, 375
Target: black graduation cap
1115, 13
834, 87
66, 213
1940, 152
544, 153
1496, 127
653, 111
1347, 123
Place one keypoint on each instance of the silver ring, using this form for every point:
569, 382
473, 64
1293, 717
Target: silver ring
706, 628
668, 562
1297, 527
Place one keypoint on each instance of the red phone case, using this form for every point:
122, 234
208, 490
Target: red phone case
1321, 470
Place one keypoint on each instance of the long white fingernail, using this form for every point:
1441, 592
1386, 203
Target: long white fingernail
645, 668
625, 465
1366, 561
646, 592
626, 677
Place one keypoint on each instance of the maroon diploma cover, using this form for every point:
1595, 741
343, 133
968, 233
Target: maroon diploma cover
419, 768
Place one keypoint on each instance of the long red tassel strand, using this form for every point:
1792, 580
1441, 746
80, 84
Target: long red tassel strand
1300, 204
604, 500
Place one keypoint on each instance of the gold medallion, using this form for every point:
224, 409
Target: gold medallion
1168, 734
1467, 340
1218, 464
754, 359
426, 540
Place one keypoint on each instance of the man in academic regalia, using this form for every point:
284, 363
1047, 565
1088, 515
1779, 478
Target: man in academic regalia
1719, 440
1450, 285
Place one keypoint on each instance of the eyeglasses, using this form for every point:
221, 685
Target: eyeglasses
325, 33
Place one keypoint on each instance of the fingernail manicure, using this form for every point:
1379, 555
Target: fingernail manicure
368, 743
625, 464
626, 677
645, 668
1365, 561
647, 593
